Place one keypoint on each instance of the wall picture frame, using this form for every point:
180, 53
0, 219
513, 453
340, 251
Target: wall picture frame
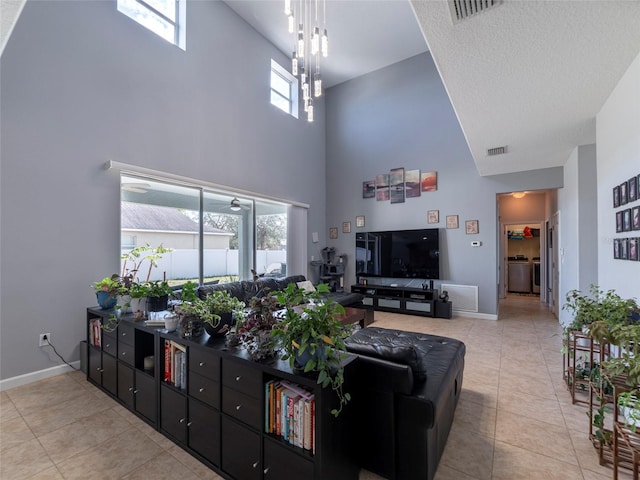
382, 187
396, 185
359, 221
333, 233
635, 218
626, 220
433, 216
624, 248
632, 189
452, 221
619, 227
471, 227
616, 196
634, 244
616, 248
346, 227
623, 193
412, 183
429, 181
369, 189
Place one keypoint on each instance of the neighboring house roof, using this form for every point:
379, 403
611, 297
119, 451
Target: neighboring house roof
140, 216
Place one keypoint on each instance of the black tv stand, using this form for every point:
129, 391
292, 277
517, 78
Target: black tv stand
412, 301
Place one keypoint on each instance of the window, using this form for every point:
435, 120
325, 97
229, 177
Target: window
224, 241
284, 90
165, 18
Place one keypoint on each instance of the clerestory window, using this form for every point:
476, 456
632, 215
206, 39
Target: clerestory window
165, 18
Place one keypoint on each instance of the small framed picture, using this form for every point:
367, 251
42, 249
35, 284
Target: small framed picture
634, 243
623, 193
471, 227
624, 248
626, 220
635, 218
616, 248
333, 233
616, 197
433, 216
452, 221
346, 227
619, 222
360, 221
632, 189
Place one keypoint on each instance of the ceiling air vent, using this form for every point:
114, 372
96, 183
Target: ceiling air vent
492, 152
463, 9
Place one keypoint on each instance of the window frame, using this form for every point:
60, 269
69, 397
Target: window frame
179, 24
292, 81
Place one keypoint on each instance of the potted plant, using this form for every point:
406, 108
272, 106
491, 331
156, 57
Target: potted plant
216, 312
312, 337
253, 332
158, 295
107, 290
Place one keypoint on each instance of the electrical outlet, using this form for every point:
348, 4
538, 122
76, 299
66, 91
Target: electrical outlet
45, 338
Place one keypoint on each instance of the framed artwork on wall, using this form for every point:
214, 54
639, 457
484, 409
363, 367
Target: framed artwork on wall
333, 233
471, 227
412, 183
623, 193
633, 249
433, 216
396, 185
429, 181
346, 227
616, 197
635, 218
360, 221
382, 187
616, 248
624, 248
626, 220
452, 221
632, 189
619, 222
368, 189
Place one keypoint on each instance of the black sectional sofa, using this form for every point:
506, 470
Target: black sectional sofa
245, 290
408, 388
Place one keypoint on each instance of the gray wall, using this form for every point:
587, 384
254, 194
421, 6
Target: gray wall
82, 84
400, 116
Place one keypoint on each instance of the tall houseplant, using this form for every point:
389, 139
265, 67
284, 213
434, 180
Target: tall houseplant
312, 337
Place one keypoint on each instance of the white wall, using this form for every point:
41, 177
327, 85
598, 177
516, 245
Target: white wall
82, 84
618, 149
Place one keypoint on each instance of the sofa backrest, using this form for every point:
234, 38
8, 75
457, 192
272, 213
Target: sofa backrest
245, 290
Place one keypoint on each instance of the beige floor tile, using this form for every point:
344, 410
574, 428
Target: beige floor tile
575, 417
48, 474
367, 475
469, 453
531, 407
24, 461
164, 465
113, 458
201, 470
475, 417
83, 434
514, 463
535, 386
13, 432
535, 436
32, 398
448, 473
7, 409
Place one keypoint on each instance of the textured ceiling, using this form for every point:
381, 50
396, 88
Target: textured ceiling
531, 75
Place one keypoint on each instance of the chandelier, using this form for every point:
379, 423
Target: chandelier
308, 27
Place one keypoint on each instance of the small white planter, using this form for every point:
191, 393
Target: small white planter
631, 414
138, 305
123, 300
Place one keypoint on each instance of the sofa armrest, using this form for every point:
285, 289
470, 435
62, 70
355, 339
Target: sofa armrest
375, 374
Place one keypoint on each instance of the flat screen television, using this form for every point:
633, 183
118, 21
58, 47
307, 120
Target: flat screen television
399, 254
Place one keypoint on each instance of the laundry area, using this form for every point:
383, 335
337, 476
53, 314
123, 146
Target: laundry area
523, 259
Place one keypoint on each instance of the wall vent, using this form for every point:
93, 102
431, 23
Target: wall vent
464, 298
463, 9
492, 152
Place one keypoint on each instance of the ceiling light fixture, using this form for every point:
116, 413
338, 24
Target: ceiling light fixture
235, 205
309, 45
518, 194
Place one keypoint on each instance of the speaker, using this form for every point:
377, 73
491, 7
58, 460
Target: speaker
443, 309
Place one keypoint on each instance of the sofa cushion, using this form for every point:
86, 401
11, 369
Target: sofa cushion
235, 289
381, 343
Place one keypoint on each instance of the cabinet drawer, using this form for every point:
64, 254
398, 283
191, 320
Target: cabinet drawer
240, 451
204, 389
204, 363
125, 384
126, 353
173, 414
243, 378
146, 396
110, 345
125, 333
280, 463
241, 406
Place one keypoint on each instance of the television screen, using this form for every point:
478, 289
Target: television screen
399, 254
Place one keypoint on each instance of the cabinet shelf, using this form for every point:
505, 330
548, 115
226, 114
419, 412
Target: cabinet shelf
413, 301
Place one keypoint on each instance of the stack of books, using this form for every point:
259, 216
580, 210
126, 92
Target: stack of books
175, 364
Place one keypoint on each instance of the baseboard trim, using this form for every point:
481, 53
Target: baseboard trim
482, 316
28, 378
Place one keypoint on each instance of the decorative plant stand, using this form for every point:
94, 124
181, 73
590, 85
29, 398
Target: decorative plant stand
583, 356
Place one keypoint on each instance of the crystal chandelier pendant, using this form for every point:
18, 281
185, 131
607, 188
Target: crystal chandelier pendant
317, 85
310, 111
325, 44
294, 64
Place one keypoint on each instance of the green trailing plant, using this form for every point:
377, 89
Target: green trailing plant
629, 403
109, 284
311, 325
158, 288
253, 332
188, 293
210, 308
133, 260
597, 306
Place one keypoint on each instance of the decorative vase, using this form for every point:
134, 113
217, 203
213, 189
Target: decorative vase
303, 358
226, 322
105, 300
123, 301
157, 304
191, 327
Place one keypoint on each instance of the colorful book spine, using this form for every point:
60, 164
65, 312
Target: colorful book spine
167, 361
306, 442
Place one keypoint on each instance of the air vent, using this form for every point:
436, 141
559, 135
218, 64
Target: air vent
492, 152
463, 9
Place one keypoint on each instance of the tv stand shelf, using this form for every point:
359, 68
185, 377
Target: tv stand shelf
412, 301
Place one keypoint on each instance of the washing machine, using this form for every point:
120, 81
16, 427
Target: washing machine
519, 274
535, 275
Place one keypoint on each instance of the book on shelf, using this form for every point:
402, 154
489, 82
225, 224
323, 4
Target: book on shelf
175, 364
95, 332
289, 411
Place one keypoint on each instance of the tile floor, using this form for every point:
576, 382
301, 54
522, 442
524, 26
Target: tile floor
514, 421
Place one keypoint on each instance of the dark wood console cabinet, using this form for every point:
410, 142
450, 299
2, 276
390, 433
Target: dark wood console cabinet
413, 301
217, 412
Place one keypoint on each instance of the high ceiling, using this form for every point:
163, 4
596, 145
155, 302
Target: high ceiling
529, 75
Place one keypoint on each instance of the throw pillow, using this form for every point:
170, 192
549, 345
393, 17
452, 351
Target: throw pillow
307, 286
